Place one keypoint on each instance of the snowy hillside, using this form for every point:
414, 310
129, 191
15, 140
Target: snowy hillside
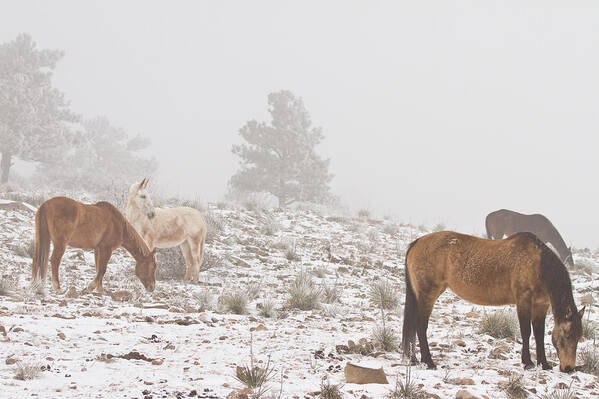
181, 341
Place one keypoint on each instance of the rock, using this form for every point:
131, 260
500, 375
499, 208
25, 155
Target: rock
459, 342
122, 296
466, 381
364, 375
260, 327
587, 299
62, 336
10, 361
463, 394
240, 394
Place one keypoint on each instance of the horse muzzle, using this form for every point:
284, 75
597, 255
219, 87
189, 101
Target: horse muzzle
151, 215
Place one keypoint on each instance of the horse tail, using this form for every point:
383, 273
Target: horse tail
42, 245
410, 313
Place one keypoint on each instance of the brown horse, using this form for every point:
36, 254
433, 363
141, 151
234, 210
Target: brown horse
519, 270
506, 222
100, 227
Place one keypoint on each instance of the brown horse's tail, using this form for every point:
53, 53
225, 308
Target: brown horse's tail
42, 245
410, 313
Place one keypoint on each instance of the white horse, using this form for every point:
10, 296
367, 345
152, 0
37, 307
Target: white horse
168, 227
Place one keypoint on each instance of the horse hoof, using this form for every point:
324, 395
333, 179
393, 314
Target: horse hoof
528, 366
547, 367
431, 366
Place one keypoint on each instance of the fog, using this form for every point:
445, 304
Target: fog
434, 113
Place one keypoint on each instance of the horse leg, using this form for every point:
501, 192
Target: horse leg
102, 256
425, 308
199, 257
55, 259
523, 308
186, 249
539, 313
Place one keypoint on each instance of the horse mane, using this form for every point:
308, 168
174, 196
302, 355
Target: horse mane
556, 278
128, 229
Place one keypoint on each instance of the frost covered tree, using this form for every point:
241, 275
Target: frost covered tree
34, 115
280, 158
102, 157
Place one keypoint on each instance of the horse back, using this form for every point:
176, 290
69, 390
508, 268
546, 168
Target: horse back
485, 272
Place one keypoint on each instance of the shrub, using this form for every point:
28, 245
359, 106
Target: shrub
170, 264
271, 228
331, 294
567, 393
205, 298
6, 287
391, 229
290, 252
254, 377
385, 339
364, 213
304, 294
267, 308
253, 290
500, 324
214, 226
590, 361
26, 250
514, 387
406, 388
27, 371
235, 302
383, 294
589, 329
330, 391
211, 260
439, 227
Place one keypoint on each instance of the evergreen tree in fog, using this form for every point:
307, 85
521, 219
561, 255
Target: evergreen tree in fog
280, 158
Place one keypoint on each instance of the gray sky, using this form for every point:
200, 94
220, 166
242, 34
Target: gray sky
432, 111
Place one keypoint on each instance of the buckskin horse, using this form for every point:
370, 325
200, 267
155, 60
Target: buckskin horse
100, 227
506, 222
519, 270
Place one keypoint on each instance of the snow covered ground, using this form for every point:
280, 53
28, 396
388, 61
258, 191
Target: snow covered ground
168, 344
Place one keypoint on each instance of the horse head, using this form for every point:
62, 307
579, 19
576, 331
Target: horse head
139, 200
145, 270
565, 337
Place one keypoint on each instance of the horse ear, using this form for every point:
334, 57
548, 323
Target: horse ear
141, 183
147, 180
581, 312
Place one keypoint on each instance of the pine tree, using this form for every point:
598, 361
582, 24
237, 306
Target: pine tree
33, 114
101, 158
280, 158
